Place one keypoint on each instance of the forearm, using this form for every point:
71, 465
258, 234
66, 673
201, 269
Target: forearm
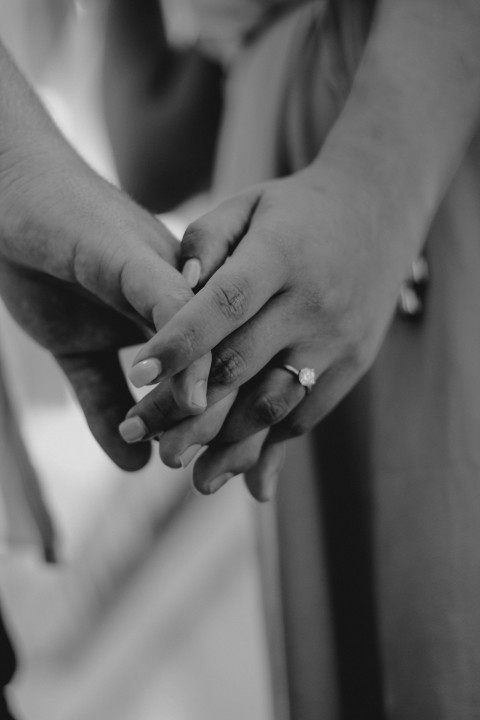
413, 106
32, 153
25, 127
162, 107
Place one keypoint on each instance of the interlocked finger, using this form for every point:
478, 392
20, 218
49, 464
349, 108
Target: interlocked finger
232, 296
265, 401
158, 412
261, 403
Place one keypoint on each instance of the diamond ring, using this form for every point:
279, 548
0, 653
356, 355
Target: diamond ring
306, 376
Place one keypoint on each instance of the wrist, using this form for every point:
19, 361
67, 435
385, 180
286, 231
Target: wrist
413, 106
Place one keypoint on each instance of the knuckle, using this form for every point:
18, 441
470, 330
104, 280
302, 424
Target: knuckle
231, 297
228, 367
185, 344
313, 303
269, 409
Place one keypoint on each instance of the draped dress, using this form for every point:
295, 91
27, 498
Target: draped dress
376, 530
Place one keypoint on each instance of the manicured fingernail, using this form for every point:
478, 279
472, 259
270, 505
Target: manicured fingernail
199, 394
145, 372
187, 456
192, 271
133, 429
213, 485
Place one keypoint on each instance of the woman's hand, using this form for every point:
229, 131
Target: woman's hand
311, 281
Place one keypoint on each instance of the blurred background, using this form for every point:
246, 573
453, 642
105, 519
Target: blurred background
154, 609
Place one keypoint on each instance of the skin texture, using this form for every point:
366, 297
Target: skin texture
316, 260
83, 269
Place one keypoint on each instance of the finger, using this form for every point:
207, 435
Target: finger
151, 415
266, 400
247, 351
189, 387
165, 244
262, 478
257, 406
158, 412
102, 392
127, 259
181, 444
329, 389
208, 241
233, 419
235, 293
223, 461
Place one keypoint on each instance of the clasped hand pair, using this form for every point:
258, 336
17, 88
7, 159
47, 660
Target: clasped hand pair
86, 271
292, 271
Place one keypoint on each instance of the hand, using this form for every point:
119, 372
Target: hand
315, 266
85, 271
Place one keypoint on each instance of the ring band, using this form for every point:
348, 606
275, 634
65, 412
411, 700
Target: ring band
307, 377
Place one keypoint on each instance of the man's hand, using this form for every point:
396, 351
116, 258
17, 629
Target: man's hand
83, 269
85, 272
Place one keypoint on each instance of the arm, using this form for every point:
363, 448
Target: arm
413, 106
162, 107
83, 269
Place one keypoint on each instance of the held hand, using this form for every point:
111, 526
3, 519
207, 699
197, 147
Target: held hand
85, 271
182, 438
312, 279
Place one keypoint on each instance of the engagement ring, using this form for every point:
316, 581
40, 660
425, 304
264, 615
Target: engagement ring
306, 376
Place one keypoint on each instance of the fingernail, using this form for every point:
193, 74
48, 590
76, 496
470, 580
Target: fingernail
145, 372
199, 394
187, 456
191, 272
213, 485
133, 429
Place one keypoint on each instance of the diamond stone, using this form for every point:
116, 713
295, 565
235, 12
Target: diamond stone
307, 377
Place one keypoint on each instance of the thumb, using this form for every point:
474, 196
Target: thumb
99, 384
209, 241
152, 287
